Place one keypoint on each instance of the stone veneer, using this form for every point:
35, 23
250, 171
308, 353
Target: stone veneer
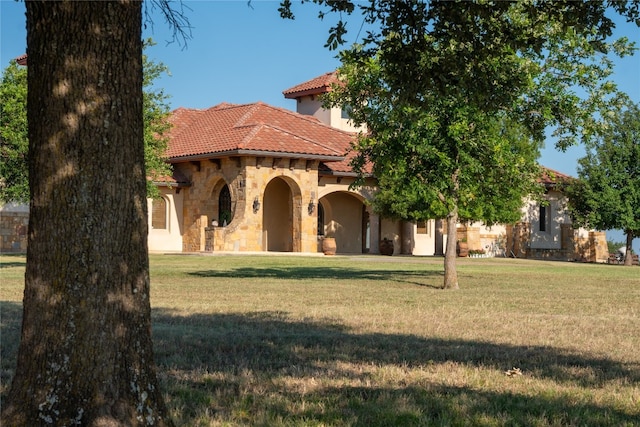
245, 231
13, 231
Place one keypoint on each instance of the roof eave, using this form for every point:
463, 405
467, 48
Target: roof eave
308, 92
171, 184
255, 153
345, 174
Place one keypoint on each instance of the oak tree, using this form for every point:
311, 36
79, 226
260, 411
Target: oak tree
14, 177
456, 98
85, 355
606, 194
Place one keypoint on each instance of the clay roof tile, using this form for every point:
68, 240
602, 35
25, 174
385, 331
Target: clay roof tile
257, 128
315, 86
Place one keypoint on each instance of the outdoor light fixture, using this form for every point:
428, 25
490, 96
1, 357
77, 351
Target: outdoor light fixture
312, 206
256, 205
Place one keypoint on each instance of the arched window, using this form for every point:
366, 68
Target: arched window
159, 214
225, 214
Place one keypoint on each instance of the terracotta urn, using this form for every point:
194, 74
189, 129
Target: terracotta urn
463, 249
386, 247
329, 246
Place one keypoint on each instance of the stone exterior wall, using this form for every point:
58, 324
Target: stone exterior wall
592, 248
247, 178
14, 222
514, 241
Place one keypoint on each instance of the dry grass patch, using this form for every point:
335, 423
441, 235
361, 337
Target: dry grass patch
371, 341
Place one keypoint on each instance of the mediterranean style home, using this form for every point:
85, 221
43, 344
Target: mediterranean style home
260, 178
255, 177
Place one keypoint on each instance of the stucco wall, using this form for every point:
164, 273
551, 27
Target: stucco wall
170, 238
312, 106
550, 238
343, 220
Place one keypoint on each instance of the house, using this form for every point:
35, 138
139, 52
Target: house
259, 178
545, 230
255, 177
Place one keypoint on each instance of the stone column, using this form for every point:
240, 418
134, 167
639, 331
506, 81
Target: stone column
202, 226
599, 252
567, 243
473, 238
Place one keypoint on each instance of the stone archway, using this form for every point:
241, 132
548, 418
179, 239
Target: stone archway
347, 221
281, 216
220, 206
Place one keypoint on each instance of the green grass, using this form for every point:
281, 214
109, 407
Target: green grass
372, 341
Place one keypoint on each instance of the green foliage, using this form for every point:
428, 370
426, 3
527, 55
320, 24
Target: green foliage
456, 98
14, 180
441, 96
480, 163
614, 246
156, 125
607, 193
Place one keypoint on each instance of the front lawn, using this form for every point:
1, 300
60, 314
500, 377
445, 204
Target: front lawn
372, 341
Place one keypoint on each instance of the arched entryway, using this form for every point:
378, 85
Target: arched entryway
345, 219
281, 222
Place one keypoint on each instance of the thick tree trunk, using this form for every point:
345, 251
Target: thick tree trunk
450, 272
85, 356
628, 256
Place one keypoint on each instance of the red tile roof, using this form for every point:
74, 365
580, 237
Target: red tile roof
253, 129
315, 86
176, 179
22, 59
552, 178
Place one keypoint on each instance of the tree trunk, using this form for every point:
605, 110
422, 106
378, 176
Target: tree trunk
85, 356
628, 256
450, 255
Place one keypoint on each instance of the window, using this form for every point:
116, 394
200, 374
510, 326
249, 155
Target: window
345, 113
543, 218
320, 219
423, 227
225, 215
159, 214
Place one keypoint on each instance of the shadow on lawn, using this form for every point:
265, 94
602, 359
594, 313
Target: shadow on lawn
325, 272
234, 368
10, 260
271, 347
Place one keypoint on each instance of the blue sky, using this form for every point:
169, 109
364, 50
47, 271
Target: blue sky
242, 54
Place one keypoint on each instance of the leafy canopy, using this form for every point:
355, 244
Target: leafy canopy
441, 155
451, 92
607, 193
14, 179
456, 98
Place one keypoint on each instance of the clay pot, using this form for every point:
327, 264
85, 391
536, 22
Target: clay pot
329, 246
386, 247
463, 249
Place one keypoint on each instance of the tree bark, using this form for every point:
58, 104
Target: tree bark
450, 255
628, 256
85, 356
